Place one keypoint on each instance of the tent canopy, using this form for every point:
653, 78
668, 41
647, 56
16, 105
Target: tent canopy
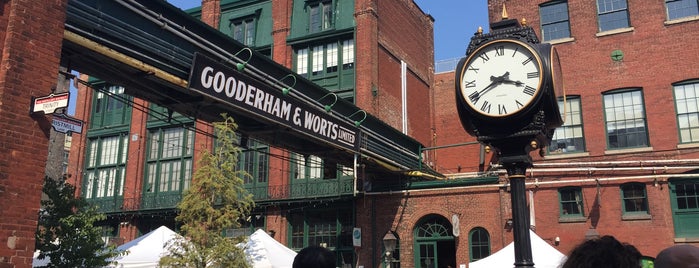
545, 256
146, 250
265, 252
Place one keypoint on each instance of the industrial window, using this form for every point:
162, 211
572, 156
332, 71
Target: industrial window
330, 228
612, 14
254, 160
329, 64
110, 108
320, 16
634, 199
244, 30
677, 9
479, 243
571, 202
684, 201
569, 138
555, 22
687, 105
169, 163
625, 119
105, 166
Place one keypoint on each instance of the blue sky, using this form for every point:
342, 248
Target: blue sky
455, 21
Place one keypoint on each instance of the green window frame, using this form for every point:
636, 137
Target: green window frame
105, 167
328, 64
612, 14
684, 201
571, 202
254, 160
569, 138
110, 108
555, 23
678, 9
687, 107
169, 160
625, 119
320, 16
634, 198
244, 29
478, 243
329, 228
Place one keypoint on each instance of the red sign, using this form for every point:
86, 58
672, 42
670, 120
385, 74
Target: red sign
49, 104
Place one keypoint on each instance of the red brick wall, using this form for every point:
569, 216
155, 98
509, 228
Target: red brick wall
29, 62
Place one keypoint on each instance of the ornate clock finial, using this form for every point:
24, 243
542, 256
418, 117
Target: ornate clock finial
524, 22
480, 30
504, 12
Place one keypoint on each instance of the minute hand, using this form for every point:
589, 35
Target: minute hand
516, 83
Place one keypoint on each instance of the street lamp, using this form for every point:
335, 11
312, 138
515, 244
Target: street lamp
389, 243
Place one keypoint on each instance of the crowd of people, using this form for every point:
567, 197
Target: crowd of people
603, 252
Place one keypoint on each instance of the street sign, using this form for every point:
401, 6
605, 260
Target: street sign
66, 124
49, 104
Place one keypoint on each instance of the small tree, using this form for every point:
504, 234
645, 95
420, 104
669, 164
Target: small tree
66, 232
216, 200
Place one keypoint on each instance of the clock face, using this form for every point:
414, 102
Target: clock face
501, 78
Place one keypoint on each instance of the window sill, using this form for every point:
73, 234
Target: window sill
567, 155
681, 20
635, 217
572, 219
560, 40
615, 31
687, 145
686, 239
627, 151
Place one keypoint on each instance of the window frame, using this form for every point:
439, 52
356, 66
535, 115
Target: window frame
638, 118
111, 108
330, 64
472, 246
691, 112
626, 188
573, 123
668, 12
112, 187
579, 201
156, 158
547, 25
326, 20
605, 27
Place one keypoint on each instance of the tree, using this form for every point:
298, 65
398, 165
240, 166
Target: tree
66, 232
215, 201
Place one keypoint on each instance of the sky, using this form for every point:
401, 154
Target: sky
455, 21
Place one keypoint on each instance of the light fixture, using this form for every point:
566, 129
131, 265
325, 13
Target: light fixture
359, 122
241, 65
557, 240
328, 107
287, 89
389, 244
508, 224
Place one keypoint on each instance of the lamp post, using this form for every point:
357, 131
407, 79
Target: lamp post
389, 243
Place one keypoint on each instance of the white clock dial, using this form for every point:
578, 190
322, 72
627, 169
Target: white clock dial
501, 78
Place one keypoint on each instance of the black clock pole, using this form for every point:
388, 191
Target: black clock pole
516, 170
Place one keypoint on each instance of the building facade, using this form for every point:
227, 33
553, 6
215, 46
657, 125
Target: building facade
623, 164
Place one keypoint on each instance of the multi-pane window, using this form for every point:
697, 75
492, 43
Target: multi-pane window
634, 198
310, 167
169, 166
569, 138
244, 30
479, 243
110, 108
555, 23
625, 119
254, 161
105, 166
612, 14
320, 16
684, 201
677, 9
330, 65
571, 202
687, 103
327, 228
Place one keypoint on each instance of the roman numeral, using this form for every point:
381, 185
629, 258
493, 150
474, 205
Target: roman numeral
519, 105
533, 75
470, 84
499, 51
528, 60
484, 57
470, 68
485, 107
501, 109
474, 97
515, 52
529, 90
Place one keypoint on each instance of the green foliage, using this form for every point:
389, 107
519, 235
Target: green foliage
66, 232
215, 201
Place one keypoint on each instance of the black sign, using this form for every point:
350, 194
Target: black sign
250, 95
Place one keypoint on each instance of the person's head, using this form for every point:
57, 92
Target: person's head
314, 257
679, 256
604, 252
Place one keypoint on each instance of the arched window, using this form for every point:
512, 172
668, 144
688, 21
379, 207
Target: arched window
478, 243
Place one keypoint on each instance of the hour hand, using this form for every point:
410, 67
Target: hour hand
516, 83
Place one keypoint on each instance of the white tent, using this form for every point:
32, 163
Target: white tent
146, 250
545, 256
265, 252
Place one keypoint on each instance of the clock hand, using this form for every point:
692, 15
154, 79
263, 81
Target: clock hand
494, 81
516, 83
